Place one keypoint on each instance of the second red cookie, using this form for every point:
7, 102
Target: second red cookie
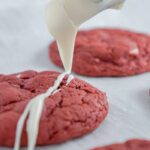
135, 144
108, 52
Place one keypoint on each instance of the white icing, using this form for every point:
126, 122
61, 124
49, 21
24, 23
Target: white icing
80, 11
63, 19
70, 78
56, 91
34, 110
61, 27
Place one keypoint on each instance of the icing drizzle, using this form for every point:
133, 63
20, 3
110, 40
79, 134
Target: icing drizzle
34, 110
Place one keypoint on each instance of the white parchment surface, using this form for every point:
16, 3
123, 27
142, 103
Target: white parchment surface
24, 42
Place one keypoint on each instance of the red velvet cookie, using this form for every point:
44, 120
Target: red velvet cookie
75, 110
129, 145
108, 52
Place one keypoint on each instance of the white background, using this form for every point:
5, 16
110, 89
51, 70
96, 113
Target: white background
24, 43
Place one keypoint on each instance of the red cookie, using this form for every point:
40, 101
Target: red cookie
75, 110
129, 145
108, 52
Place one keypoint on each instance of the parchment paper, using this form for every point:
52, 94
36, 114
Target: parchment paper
24, 42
